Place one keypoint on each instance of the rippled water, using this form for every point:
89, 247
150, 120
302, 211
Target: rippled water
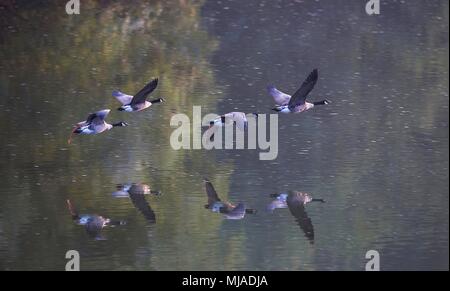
378, 154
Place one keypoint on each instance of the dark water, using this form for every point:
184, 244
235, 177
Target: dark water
378, 154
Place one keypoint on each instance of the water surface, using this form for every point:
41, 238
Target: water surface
378, 154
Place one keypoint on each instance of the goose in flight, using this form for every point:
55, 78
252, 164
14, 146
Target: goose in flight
139, 101
136, 193
296, 202
92, 222
230, 211
95, 123
297, 102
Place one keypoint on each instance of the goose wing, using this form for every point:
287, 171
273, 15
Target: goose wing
142, 205
142, 95
96, 121
297, 209
122, 97
299, 97
211, 193
279, 97
97, 117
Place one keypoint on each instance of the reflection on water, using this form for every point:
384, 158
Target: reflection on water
93, 223
228, 209
296, 202
378, 154
136, 194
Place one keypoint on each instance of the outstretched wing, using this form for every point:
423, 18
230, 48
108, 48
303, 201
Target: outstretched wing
142, 95
97, 117
211, 193
297, 209
299, 97
142, 205
279, 97
122, 97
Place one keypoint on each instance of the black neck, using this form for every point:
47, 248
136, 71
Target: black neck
117, 124
323, 102
117, 222
156, 100
318, 200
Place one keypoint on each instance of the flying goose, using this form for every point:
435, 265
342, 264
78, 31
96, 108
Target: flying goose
297, 102
136, 193
94, 123
137, 102
296, 202
229, 210
92, 222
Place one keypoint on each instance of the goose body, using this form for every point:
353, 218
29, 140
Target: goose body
295, 201
93, 223
95, 123
230, 211
296, 103
238, 118
136, 194
139, 101
280, 201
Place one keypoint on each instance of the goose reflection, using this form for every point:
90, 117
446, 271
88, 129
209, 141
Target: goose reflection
229, 210
296, 202
136, 193
93, 223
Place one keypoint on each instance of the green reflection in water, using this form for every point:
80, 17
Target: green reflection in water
55, 69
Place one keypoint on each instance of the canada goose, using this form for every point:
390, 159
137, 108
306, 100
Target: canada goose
137, 102
92, 222
136, 193
229, 210
297, 102
296, 201
94, 123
